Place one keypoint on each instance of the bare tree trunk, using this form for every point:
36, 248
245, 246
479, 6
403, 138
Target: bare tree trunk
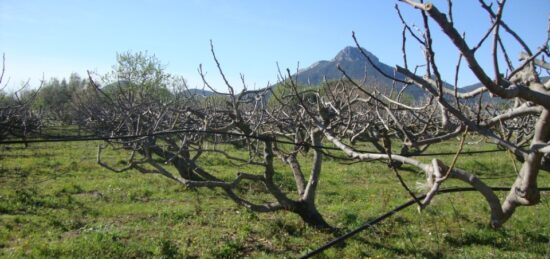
524, 191
311, 216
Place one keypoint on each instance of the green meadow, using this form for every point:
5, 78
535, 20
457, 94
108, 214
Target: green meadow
56, 201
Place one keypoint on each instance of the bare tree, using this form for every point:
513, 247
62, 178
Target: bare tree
17, 119
447, 113
178, 130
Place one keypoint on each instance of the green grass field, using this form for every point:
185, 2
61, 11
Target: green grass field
55, 201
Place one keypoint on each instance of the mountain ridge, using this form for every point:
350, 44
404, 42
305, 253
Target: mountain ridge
357, 67
355, 64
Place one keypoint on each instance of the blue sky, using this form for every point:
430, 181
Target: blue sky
53, 38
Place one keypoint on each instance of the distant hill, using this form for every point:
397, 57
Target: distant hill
477, 85
357, 67
201, 92
486, 95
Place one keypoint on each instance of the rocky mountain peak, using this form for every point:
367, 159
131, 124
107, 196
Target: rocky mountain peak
353, 54
351, 60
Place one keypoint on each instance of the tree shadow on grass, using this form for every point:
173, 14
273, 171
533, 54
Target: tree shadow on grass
500, 239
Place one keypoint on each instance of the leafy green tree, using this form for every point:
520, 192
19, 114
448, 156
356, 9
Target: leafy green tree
54, 99
138, 75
